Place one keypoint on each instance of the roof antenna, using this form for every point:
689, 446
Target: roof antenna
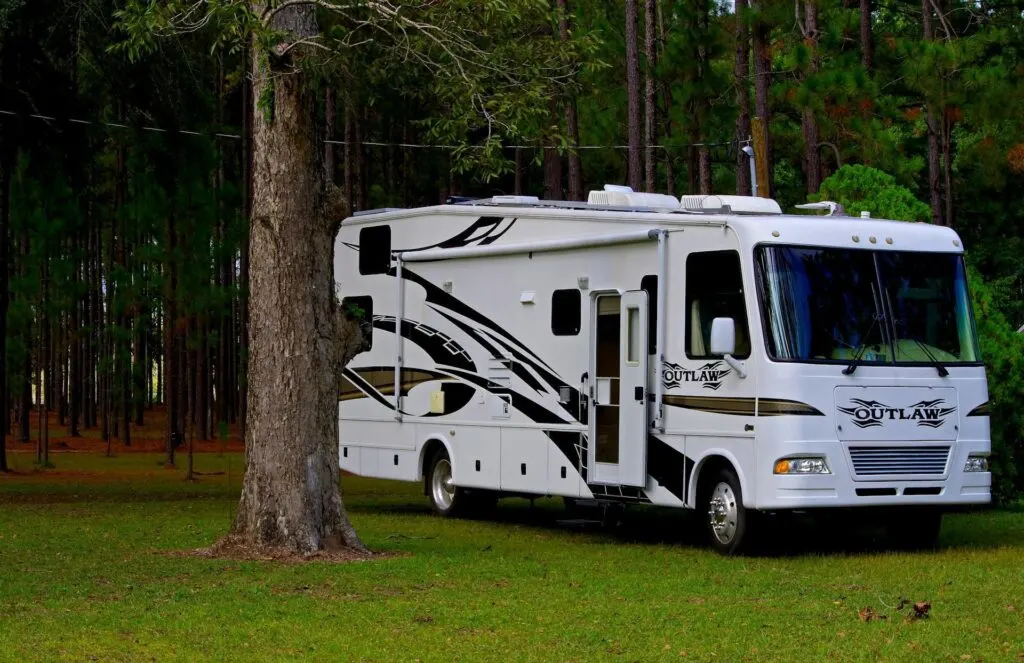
749, 151
834, 209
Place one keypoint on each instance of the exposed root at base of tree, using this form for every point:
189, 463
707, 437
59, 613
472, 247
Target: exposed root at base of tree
234, 548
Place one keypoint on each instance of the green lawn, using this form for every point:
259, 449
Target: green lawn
86, 574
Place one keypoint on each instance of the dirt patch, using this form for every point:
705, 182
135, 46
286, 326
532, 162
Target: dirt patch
231, 548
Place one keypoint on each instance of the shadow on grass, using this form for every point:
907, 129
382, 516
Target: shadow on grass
780, 535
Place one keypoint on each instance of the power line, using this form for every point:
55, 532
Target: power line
424, 146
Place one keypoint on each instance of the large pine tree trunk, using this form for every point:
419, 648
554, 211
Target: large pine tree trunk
762, 109
572, 123
552, 162
5, 175
741, 76
934, 167
290, 497
633, 158
650, 108
867, 42
812, 157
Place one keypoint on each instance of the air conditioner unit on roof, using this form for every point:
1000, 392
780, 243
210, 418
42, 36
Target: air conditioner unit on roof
623, 196
730, 204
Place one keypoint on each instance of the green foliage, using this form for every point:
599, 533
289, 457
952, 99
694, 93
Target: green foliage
858, 188
1002, 348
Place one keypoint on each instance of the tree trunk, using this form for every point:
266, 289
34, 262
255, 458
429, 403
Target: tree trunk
290, 497
762, 109
867, 41
666, 95
634, 165
704, 169
572, 124
329, 148
809, 123
650, 107
5, 189
741, 76
552, 162
171, 375
517, 187
934, 166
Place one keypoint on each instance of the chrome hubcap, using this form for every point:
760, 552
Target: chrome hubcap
442, 488
723, 513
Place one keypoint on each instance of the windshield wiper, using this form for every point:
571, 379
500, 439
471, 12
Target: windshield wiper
931, 357
943, 372
862, 347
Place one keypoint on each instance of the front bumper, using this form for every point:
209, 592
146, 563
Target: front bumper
842, 488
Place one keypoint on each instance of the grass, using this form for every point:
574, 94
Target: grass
86, 574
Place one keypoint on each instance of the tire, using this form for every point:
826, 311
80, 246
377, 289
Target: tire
446, 499
915, 529
730, 526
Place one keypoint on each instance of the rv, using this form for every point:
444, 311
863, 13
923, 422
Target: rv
705, 353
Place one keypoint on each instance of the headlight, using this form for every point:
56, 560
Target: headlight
801, 466
976, 464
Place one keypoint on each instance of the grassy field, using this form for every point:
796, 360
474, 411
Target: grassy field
88, 572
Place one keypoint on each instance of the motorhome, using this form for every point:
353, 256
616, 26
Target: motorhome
706, 353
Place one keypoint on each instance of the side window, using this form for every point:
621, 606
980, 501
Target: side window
566, 306
714, 289
360, 309
649, 284
375, 250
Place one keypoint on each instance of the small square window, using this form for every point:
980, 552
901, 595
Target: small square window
566, 312
375, 250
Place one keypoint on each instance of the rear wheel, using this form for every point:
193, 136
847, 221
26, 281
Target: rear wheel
729, 524
445, 496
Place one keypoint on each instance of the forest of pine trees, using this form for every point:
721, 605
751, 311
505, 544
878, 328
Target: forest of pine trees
125, 181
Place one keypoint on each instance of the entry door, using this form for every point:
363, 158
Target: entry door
618, 429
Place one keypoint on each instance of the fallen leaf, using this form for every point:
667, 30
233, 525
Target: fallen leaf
866, 614
921, 609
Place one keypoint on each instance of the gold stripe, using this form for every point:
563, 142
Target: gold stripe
766, 407
981, 411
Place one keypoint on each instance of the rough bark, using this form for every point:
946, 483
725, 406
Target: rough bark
809, 123
552, 163
867, 40
290, 497
572, 123
633, 157
171, 374
329, 148
762, 109
704, 169
666, 95
934, 166
741, 77
5, 175
517, 187
650, 107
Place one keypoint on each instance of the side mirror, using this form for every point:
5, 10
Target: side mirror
723, 336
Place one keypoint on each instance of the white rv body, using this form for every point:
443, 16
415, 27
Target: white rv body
521, 410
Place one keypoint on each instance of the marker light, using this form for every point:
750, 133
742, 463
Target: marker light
801, 466
976, 464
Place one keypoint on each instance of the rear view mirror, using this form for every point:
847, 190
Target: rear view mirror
723, 336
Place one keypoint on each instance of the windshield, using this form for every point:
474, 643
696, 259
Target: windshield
830, 304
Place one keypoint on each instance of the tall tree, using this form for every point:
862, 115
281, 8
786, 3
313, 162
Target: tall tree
650, 107
634, 168
572, 125
934, 130
809, 123
741, 78
867, 40
762, 85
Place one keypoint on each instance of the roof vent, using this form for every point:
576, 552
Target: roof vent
731, 204
515, 200
623, 196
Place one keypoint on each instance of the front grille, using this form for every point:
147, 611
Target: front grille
875, 461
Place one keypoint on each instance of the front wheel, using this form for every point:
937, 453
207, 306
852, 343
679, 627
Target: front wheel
445, 496
729, 523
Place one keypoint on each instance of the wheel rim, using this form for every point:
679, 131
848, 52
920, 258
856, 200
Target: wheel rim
723, 513
442, 487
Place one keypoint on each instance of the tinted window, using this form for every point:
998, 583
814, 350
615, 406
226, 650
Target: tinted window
375, 250
714, 289
566, 308
649, 284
